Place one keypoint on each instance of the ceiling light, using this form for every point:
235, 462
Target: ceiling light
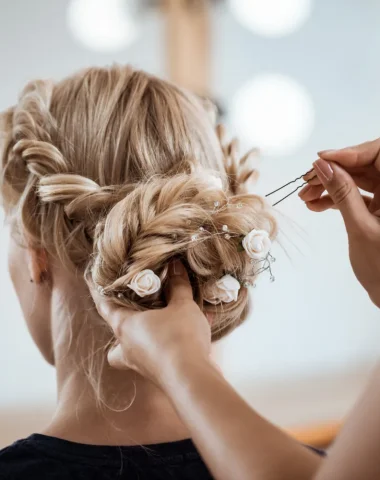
274, 113
272, 18
102, 25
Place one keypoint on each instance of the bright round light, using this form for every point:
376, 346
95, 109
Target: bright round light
272, 18
102, 25
274, 113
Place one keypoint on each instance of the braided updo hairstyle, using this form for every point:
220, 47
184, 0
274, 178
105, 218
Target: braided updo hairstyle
112, 171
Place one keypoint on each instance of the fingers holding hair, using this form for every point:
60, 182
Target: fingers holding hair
178, 288
112, 313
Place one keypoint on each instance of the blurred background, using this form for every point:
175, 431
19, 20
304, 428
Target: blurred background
291, 77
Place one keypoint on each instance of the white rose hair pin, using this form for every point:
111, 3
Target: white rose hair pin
225, 290
145, 283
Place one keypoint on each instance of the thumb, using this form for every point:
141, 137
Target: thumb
179, 287
344, 193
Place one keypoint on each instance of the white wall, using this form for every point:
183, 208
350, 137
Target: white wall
315, 318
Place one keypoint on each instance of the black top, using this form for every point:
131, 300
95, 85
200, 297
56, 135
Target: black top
40, 457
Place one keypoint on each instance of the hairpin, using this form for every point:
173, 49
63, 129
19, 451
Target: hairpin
287, 184
224, 290
144, 283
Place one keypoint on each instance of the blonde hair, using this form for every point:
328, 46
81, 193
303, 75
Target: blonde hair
111, 170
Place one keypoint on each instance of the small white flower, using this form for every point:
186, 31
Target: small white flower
215, 181
257, 244
225, 290
145, 283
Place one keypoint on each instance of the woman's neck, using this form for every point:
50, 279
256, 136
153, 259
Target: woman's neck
98, 404
137, 413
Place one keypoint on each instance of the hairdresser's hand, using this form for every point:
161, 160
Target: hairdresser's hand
152, 341
341, 173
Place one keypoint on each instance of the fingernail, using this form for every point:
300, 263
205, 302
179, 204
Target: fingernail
323, 170
327, 153
176, 268
305, 189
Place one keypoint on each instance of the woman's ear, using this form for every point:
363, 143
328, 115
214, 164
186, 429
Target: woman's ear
38, 264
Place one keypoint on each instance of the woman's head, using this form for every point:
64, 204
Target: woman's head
112, 171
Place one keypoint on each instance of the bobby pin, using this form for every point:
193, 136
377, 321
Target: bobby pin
289, 183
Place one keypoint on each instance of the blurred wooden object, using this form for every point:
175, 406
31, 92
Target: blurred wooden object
16, 423
188, 43
320, 435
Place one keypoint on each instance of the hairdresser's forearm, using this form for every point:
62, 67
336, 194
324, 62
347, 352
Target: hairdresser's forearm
234, 440
355, 453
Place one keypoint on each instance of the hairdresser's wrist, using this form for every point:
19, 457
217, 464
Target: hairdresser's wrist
181, 368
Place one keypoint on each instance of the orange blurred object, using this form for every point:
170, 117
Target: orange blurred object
320, 435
